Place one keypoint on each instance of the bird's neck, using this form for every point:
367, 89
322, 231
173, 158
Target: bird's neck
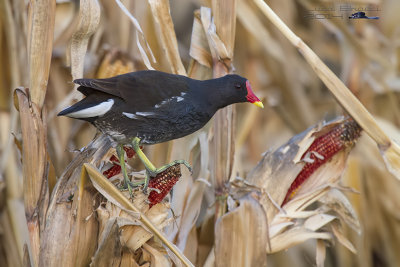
215, 93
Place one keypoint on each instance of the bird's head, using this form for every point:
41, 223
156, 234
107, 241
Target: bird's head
240, 89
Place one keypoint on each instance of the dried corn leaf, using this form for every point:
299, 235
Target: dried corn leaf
110, 191
88, 21
139, 38
336, 229
194, 197
337, 202
61, 217
302, 201
317, 221
321, 253
224, 12
295, 236
35, 166
127, 260
199, 49
110, 248
217, 46
40, 47
158, 258
221, 46
241, 236
134, 237
162, 17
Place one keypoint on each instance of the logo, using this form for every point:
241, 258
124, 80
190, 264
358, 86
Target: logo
343, 11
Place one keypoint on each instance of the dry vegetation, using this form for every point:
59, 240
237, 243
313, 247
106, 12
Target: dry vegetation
56, 207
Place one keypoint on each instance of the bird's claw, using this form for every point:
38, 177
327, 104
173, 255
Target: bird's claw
130, 185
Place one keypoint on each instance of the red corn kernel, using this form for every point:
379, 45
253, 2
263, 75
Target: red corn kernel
114, 170
114, 159
130, 152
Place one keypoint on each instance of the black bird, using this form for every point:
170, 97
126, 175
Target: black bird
361, 15
149, 107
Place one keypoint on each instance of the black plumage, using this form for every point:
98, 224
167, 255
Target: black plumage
155, 106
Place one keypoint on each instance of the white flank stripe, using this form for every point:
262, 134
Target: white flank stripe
162, 103
130, 115
98, 110
144, 114
179, 99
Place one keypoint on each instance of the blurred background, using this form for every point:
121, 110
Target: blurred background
363, 53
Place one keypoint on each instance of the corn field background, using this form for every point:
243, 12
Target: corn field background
57, 209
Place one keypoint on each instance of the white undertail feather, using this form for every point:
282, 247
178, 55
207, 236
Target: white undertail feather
95, 111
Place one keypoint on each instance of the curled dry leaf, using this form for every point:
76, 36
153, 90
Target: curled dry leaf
199, 49
217, 46
88, 20
295, 236
139, 37
337, 202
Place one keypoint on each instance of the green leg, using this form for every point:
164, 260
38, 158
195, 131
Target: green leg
151, 170
147, 163
127, 184
121, 157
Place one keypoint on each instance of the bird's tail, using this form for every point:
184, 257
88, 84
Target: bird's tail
87, 109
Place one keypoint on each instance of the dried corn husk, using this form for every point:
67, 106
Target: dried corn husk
292, 224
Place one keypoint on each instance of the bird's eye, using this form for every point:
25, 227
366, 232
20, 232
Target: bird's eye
238, 86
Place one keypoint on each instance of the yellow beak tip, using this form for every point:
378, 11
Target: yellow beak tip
259, 104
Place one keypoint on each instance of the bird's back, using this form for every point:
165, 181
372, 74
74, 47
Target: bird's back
151, 105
